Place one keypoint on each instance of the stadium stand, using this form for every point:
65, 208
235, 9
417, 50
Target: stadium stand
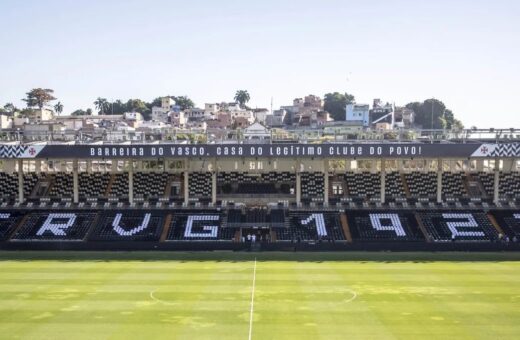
453, 184
312, 186
9, 220
256, 217
64, 226
394, 185
274, 192
509, 184
31, 181
129, 225
263, 183
487, 180
200, 184
278, 217
198, 226
363, 184
150, 184
422, 184
119, 188
93, 185
311, 226
509, 221
61, 185
9, 187
383, 225
458, 226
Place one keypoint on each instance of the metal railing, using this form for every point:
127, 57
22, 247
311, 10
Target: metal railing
276, 136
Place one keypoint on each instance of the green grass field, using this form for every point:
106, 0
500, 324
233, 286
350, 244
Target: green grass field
71, 295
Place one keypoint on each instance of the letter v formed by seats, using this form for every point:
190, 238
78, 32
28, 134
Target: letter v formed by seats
117, 228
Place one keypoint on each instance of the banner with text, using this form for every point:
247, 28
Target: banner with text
360, 150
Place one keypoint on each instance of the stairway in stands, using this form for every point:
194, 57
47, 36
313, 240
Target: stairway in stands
344, 225
474, 187
405, 186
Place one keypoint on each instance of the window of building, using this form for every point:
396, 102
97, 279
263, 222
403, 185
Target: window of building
337, 189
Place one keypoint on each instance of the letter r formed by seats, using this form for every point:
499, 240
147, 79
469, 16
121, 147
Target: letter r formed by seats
57, 228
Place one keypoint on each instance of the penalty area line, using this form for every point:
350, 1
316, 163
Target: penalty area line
252, 302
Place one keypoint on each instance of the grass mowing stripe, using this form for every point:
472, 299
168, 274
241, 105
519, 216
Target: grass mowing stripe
296, 296
252, 303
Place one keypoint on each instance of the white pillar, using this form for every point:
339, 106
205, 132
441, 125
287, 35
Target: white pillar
186, 187
187, 181
326, 185
496, 184
214, 187
75, 181
20, 182
298, 185
383, 181
131, 183
439, 181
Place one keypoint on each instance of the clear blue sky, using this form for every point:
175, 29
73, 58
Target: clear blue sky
465, 53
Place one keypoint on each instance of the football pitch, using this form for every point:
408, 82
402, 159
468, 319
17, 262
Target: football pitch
221, 295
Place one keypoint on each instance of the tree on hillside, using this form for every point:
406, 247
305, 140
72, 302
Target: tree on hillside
136, 105
9, 107
102, 105
117, 107
242, 97
184, 102
79, 113
156, 102
58, 108
336, 103
39, 98
433, 114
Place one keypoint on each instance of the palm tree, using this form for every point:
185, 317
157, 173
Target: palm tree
58, 108
101, 104
242, 97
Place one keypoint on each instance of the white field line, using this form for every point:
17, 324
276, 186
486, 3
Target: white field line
252, 303
159, 300
354, 296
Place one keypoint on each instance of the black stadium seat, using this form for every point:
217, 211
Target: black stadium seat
383, 225
509, 221
198, 226
244, 183
200, 184
509, 184
57, 225
363, 184
8, 222
62, 185
129, 226
119, 187
458, 226
311, 226
422, 184
92, 185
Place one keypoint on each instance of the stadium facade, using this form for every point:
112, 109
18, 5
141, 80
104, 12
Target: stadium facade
371, 195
